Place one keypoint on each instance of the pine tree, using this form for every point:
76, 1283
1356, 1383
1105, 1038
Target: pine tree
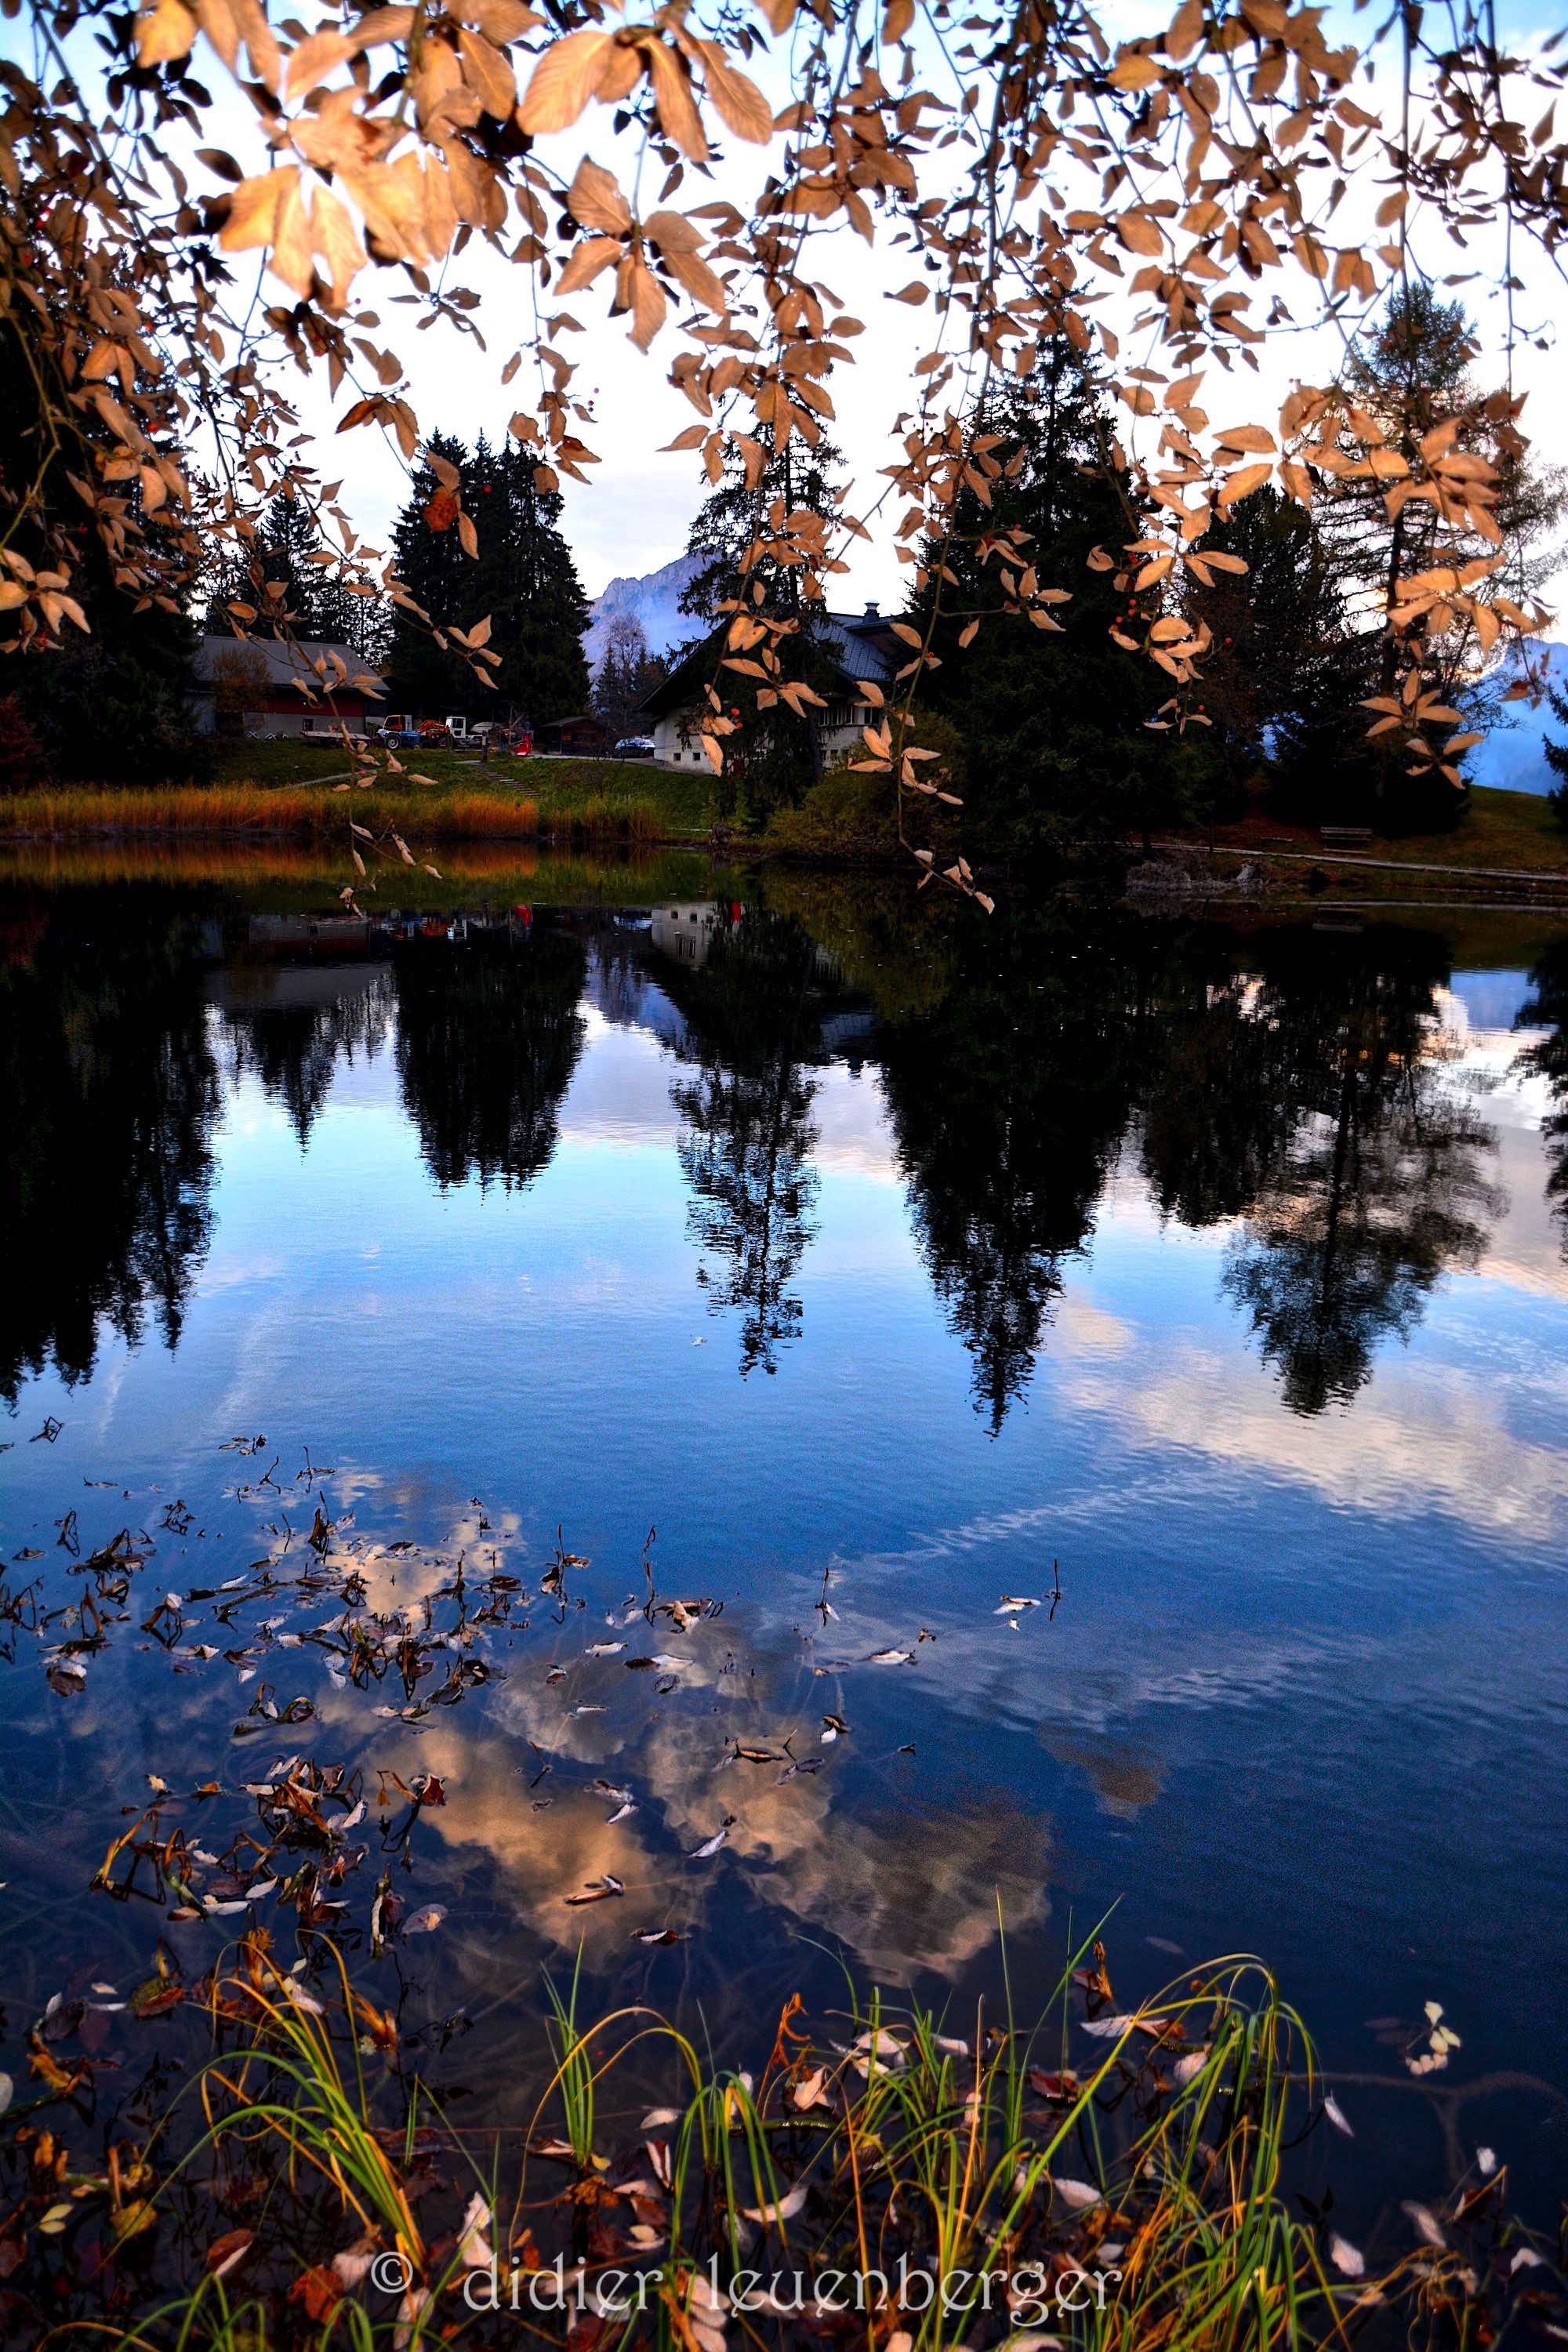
1412, 374
525, 578
1053, 720
776, 752
628, 672
1284, 679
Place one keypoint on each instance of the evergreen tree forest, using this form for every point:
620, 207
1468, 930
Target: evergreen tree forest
522, 576
287, 582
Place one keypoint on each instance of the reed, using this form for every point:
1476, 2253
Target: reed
972, 2186
315, 812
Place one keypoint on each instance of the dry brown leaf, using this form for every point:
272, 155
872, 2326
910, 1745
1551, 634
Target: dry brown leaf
563, 80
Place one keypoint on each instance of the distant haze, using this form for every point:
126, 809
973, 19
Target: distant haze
653, 601
1512, 757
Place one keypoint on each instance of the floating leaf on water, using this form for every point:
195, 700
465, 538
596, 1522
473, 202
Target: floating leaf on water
225, 2251
598, 1890
784, 2209
1525, 2259
890, 1658
473, 2242
1077, 2196
1425, 2222
423, 1922
1347, 2258
810, 2090
658, 2118
1337, 2117
1187, 2069
1486, 2158
712, 1845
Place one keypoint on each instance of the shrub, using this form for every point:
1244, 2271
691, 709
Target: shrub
21, 761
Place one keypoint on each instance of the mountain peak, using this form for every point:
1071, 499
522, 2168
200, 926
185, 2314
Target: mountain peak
653, 600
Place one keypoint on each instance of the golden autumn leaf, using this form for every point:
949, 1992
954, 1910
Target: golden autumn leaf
441, 510
563, 80
672, 95
488, 72
1138, 234
253, 209
647, 305
164, 31
740, 105
313, 59
1133, 71
596, 200
1243, 482
587, 261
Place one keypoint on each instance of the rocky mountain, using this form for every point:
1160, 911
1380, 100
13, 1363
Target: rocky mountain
653, 601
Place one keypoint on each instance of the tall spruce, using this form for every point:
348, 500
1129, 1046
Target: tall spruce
523, 577
776, 752
1053, 720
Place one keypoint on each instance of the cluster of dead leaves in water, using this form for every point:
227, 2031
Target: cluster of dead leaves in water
1074, 2170
301, 1623
1213, 175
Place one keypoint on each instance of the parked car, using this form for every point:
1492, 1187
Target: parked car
635, 747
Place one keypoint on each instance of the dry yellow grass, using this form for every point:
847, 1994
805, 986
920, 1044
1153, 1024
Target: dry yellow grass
314, 812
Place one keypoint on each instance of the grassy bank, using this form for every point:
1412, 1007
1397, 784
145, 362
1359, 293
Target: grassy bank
301, 791
1514, 832
885, 2176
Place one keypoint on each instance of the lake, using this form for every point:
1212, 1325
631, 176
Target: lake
1100, 1386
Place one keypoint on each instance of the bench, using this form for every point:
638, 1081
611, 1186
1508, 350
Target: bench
1345, 836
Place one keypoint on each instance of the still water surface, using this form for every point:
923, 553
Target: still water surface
892, 1265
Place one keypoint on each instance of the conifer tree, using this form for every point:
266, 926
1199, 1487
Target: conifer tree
1053, 718
739, 537
523, 577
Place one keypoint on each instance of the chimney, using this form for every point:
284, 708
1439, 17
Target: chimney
873, 610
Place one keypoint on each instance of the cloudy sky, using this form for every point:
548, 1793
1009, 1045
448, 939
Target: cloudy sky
635, 516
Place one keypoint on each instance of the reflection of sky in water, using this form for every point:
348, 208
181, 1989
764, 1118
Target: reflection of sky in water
1304, 1692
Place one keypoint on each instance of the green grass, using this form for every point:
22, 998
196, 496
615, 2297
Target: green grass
1511, 830
682, 799
1154, 2181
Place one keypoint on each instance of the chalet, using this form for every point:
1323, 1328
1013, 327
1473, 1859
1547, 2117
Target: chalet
582, 735
266, 685
859, 646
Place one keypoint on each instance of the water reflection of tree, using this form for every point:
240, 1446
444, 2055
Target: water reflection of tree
1548, 1059
489, 1035
754, 1014
294, 1048
1363, 1160
111, 1093
1009, 1103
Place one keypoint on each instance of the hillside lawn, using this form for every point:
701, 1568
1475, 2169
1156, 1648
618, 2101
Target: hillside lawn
1509, 832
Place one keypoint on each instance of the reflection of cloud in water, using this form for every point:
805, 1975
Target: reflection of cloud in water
905, 1888
1444, 1433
